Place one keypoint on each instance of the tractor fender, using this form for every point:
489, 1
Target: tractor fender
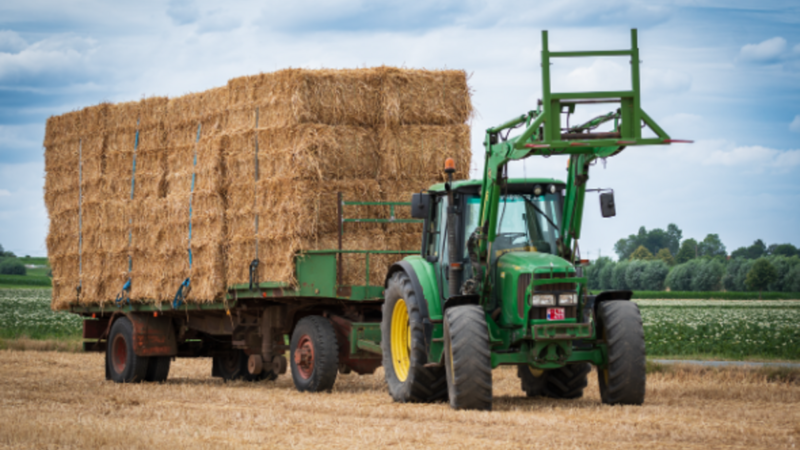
424, 288
594, 301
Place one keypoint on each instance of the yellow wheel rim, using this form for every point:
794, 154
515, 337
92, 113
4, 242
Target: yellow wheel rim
401, 340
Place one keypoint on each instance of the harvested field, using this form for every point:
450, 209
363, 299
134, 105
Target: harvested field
62, 400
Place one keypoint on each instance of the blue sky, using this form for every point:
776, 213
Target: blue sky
723, 73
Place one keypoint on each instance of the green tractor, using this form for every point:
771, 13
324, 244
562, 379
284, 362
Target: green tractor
500, 281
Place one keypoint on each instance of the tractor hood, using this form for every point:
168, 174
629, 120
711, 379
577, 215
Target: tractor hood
533, 262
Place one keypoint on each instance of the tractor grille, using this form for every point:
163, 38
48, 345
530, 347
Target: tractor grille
540, 312
522, 284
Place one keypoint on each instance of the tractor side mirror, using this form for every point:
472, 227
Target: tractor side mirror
607, 205
420, 206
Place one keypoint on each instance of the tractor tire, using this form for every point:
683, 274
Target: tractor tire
158, 370
468, 358
315, 355
122, 364
404, 349
233, 366
622, 381
532, 380
567, 382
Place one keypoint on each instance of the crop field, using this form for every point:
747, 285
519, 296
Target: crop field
27, 313
62, 400
724, 329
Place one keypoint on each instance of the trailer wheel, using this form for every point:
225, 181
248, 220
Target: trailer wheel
122, 364
158, 370
403, 346
468, 358
315, 355
532, 380
622, 381
233, 366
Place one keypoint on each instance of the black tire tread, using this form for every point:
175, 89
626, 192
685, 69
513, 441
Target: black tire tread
624, 334
470, 373
326, 354
158, 369
423, 384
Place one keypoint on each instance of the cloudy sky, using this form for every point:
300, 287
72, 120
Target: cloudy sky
723, 73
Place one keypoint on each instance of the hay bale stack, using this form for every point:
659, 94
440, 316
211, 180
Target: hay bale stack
273, 149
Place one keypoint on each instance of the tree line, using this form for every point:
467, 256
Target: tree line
658, 259
10, 264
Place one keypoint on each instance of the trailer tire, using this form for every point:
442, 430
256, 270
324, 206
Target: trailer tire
122, 364
233, 366
623, 380
315, 355
468, 358
405, 372
158, 370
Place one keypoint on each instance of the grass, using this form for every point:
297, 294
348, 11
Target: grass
36, 260
26, 313
686, 295
61, 400
25, 280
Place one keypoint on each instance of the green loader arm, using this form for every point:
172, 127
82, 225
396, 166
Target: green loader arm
543, 135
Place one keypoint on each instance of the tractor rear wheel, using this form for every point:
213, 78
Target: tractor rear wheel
122, 364
565, 383
468, 358
233, 366
403, 345
315, 355
622, 381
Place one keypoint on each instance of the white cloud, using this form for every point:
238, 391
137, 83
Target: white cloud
795, 125
57, 56
764, 52
5, 193
183, 12
11, 42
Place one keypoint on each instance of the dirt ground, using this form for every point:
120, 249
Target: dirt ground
50, 400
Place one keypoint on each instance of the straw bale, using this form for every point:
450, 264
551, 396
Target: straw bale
65, 127
152, 112
276, 260
240, 118
425, 97
62, 238
189, 108
418, 152
240, 154
115, 274
62, 156
241, 91
333, 97
93, 277
94, 120
123, 117
320, 152
240, 251
208, 277
210, 169
116, 226
63, 293
92, 219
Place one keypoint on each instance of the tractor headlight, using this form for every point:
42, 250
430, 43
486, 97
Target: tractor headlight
568, 299
543, 300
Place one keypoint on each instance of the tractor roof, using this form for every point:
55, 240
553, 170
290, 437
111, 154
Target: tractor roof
477, 183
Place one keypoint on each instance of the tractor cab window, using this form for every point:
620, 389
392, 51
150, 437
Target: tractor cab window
525, 222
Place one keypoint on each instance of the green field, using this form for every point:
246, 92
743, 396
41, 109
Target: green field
26, 313
25, 280
767, 329
684, 295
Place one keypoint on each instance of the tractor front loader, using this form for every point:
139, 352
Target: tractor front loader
499, 280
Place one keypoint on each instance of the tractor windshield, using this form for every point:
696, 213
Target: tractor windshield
526, 222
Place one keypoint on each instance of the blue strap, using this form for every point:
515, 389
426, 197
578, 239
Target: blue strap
180, 296
123, 294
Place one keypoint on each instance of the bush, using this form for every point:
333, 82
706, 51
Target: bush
12, 266
708, 276
783, 266
794, 277
761, 275
592, 272
618, 280
633, 275
680, 277
654, 276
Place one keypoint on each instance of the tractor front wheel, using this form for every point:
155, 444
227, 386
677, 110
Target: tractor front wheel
468, 358
622, 381
403, 346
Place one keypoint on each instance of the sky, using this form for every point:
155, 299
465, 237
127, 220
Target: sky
725, 74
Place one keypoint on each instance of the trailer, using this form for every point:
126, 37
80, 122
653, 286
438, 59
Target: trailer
325, 326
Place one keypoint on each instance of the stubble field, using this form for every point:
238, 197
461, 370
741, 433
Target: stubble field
54, 400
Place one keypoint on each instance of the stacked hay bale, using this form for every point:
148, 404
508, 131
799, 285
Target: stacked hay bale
243, 172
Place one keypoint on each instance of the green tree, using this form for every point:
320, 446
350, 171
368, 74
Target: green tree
607, 276
618, 276
592, 272
12, 266
711, 246
654, 276
783, 250
760, 276
634, 275
707, 276
641, 253
652, 240
687, 252
665, 255
755, 251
